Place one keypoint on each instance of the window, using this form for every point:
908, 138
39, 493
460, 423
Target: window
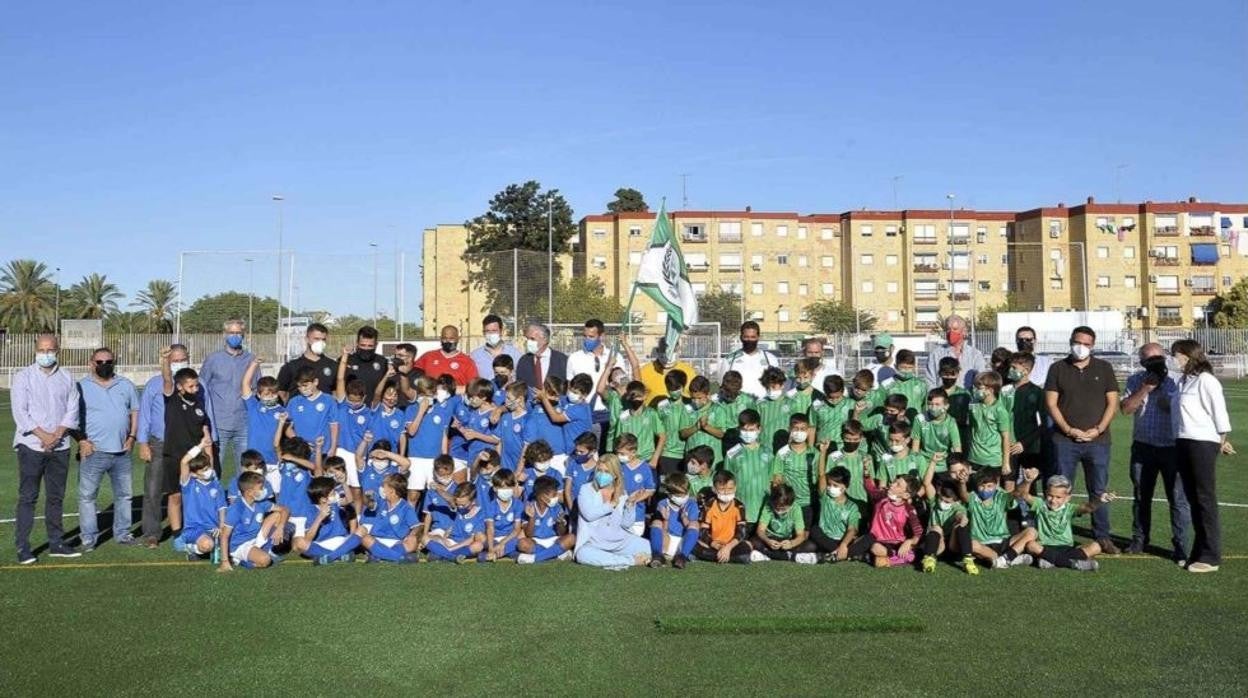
1128, 281
782, 231
660, 317
1055, 283
1204, 285
959, 232
729, 261
803, 289
1226, 250
634, 231
927, 289
734, 288
985, 285
634, 259
1227, 282
890, 260
693, 232
1005, 259
730, 231
926, 262
756, 230
1102, 221
756, 315
867, 260
1166, 251
868, 287
756, 288
925, 233
826, 261
1169, 315
890, 231
699, 287
1003, 231
981, 234
803, 316
893, 316
782, 287
756, 261
1005, 286
1102, 281
981, 259
696, 261
866, 231
1055, 229
890, 287
803, 260
1168, 285
782, 259
961, 288
961, 260
782, 315
801, 232
926, 316
600, 233
1102, 252
827, 289
1128, 252
825, 233
600, 262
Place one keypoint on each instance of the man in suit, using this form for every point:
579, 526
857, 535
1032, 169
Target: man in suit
539, 359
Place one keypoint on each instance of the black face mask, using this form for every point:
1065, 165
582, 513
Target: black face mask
1155, 365
1025, 345
749, 345
849, 446
635, 403
106, 371
948, 382
365, 355
881, 355
448, 347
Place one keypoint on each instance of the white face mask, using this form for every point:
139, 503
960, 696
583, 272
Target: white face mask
945, 506
493, 338
552, 502
834, 491
317, 347
896, 448
894, 498
679, 501
442, 395
46, 359
1080, 351
503, 495
178, 366
576, 398
380, 465
797, 437
774, 394
749, 437
542, 466
205, 475
530, 345
725, 498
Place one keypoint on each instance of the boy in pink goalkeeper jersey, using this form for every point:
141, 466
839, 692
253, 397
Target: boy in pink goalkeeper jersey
895, 527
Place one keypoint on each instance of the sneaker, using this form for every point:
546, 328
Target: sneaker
679, 562
1136, 547
1023, 560
64, 551
929, 564
899, 560
127, 540
758, 556
526, 559
1000, 563
567, 555
88, 546
1108, 547
1202, 567
655, 563
322, 560
805, 558
25, 558
828, 559
151, 543
1085, 565
969, 565
1179, 558
1045, 564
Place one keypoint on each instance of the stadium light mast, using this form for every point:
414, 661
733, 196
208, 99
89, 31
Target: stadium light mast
375, 257
277, 345
56, 325
550, 260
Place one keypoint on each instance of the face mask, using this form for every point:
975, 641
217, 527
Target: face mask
797, 437
442, 480
625, 459
948, 383
1025, 345
205, 475
317, 347
380, 465
905, 375
448, 347
749, 437
636, 404
802, 384
850, 446
504, 495
774, 394
464, 509
835, 492
1080, 351
576, 398
726, 397
896, 448
979, 395
881, 355
530, 345
333, 499
307, 390
1014, 375
693, 468
1176, 363
782, 512
541, 466
985, 495
894, 498
674, 395
858, 393
725, 498
105, 372
889, 418
175, 367
442, 395
233, 341
500, 380
679, 501
954, 336
591, 344
493, 338
945, 506
580, 458
936, 412
46, 359
749, 345
603, 479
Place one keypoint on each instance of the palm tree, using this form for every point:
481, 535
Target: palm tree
93, 298
27, 296
156, 302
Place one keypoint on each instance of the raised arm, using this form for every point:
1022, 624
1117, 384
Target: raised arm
340, 385
590, 505
249, 377
166, 373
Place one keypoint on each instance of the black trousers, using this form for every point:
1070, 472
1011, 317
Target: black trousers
740, 553
822, 541
52, 467
807, 546
668, 465
1197, 461
153, 489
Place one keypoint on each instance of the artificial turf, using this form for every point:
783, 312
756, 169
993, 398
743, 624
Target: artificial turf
126, 620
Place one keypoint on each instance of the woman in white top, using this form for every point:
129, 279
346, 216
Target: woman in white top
604, 517
1201, 427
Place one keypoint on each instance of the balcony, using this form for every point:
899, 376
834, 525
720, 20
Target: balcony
960, 240
960, 296
1169, 321
1166, 231
926, 268
1204, 291
1166, 261
924, 240
698, 266
926, 295
1204, 231
1166, 292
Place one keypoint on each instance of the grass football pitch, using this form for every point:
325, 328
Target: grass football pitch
123, 620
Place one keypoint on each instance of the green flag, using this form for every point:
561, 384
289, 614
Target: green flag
664, 277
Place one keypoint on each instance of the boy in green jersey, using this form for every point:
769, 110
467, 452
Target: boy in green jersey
906, 380
895, 409
643, 422
986, 510
803, 394
948, 529
781, 534
867, 396
839, 516
797, 464
1027, 410
699, 464
1051, 540
751, 465
959, 398
774, 410
673, 415
853, 457
831, 413
991, 424
899, 459
704, 423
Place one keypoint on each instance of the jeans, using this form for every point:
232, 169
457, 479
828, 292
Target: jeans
90, 473
153, 489
1147, 462
236, 441
53, 468
1094, 456
1197, 462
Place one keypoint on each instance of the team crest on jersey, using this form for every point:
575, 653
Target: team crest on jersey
394, 519
376, 366
454, 365
212, 492
468, 527
394, 424
485, 423
299, 408
353, 367
326, 371
511, 517
259, 517
437, 419
199, 412
637, 477
784, 407
299, 477
360, 419
517, 427
320, 407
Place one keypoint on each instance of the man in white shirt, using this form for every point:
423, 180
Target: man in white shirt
1025, 340
812, 348
749, 361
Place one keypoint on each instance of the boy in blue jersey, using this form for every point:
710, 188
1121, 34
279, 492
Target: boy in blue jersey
381, 460
437, 509
674, 529
329, 537
353, 414
466, 538
250, 462
475, 425
389, 421
638, 478
536, 463
516, 426
503, 517
482, 475
546, 534
580, 468
313, 414
203, 502
549, 414
299, 465
263, 407
336, 468
504, 374
428, 420
577, 411
461, 413
394, 526
249, 527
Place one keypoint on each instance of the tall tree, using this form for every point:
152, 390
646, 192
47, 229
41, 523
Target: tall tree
27, 297
517, 219
1230, 309
208, 313
722, 307
829, 316
628, 199
986, 316
579, 299
92, 298
156, 302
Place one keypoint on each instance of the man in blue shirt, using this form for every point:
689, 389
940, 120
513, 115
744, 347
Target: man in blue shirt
483, 356
220, 378
108, 422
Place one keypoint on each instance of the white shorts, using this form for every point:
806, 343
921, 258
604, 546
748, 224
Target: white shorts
353, 475
273, 476
673, 546
437, 533
239, 555
560, 463
546, 542
419, 475
388, 542
300, 523
332, 543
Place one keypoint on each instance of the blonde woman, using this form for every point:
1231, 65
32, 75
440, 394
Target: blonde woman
604, 517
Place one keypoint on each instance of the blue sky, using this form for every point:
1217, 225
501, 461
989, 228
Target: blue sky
129, 132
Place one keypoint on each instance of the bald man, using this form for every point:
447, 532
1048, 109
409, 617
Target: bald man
448, 359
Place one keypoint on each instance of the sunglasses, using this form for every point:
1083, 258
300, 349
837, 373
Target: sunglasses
104, 362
